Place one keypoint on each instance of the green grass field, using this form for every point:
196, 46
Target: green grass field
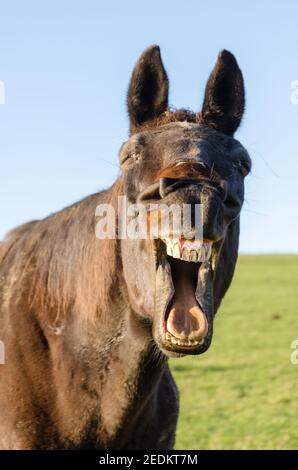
243, 393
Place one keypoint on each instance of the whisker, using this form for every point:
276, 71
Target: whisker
254, 212
110, 163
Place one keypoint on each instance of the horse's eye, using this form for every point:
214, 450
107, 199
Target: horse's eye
131, 156
242, 166
135, 156
124, 158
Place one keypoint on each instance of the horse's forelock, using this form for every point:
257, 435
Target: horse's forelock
179, 115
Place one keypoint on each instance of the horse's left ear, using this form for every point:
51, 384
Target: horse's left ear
147, 95
224, 100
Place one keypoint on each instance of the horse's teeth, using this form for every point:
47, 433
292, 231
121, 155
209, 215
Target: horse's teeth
208, 248
202, 254
183, 341
188, 250
176, 251
169, 250
184, 255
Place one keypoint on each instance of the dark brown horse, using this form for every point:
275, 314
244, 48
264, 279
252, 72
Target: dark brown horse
88, 324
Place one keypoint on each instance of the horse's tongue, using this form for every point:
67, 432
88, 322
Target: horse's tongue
186, 319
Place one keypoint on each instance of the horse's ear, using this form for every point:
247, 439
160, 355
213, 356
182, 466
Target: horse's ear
224, 100
147, 96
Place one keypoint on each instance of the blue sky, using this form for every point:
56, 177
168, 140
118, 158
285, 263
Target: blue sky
66, 66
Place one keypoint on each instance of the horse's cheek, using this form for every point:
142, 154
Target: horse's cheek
139, 277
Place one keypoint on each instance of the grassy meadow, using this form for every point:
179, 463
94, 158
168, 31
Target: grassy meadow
243, 393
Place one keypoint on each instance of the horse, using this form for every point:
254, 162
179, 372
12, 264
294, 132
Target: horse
89, 323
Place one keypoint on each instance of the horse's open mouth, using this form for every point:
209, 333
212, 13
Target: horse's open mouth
184, 296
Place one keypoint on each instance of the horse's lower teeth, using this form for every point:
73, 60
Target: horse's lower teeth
183, 342
192, 251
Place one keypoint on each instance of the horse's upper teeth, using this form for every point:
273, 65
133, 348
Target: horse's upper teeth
187, 250
176, 251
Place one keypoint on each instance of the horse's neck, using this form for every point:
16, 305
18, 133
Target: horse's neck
114, 369
73, 270
98, 344
71, 299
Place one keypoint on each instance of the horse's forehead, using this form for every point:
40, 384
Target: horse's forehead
168, 133
183, 127
174, 131
186, 137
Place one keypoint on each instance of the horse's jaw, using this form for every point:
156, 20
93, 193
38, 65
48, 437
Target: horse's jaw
184, 302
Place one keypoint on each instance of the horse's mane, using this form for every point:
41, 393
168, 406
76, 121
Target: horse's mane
171, 115
57, 264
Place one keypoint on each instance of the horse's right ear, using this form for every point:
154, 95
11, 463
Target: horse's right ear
224, 100
147, 95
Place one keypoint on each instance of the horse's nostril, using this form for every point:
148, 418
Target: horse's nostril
224, 188
152, 192
232, 202
232, 207
165, 184
162, 188
168, 185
